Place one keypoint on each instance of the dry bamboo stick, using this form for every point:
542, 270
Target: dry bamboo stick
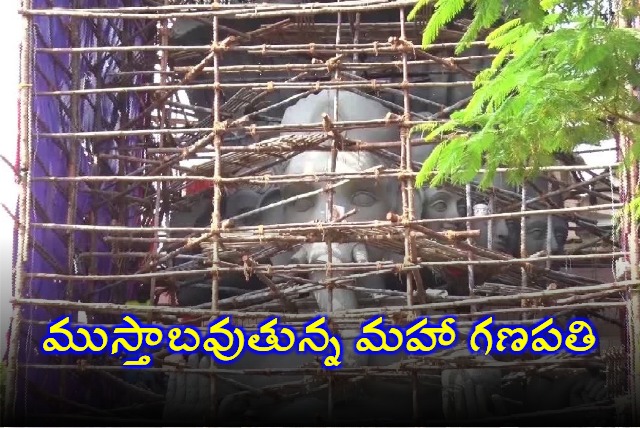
163, 116
269, 86
382, 47
353, 313
232, 11
436, 364
16, 173
159, 7
317, 227
24, 211
354, 66
397, 91
11, 214
561, 190
216, 215
348, 146
258, 179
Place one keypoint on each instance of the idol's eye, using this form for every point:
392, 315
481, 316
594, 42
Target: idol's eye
303, 204
439, 206
536, 233
363, 199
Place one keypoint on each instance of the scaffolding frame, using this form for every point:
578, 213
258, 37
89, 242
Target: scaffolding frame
115, 239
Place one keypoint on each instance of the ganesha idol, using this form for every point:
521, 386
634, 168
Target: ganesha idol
366, 199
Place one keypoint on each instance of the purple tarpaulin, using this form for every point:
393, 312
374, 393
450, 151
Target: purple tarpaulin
52, 72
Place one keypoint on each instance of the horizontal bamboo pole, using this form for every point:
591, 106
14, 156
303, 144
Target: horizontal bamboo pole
247, 12
353, 66
306, 268
621, 286
561, 191
356, 146
237, 126
382, 172
380, 47
159, 8
318, 227
435, 364
269, 86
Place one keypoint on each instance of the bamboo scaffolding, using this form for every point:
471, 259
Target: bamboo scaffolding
234, 137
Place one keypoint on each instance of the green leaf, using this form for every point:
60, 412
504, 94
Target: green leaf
487, 13
445, 11
504, 28
560, 73
421, 4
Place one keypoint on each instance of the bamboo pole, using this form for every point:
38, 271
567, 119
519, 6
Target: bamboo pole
434, 366
319, 226
633, 303
620, 286
269, 86
344, 66
216, 216
382, 172
164, 115
24, 212
232, 11
328, 48
72, 171
227, 6
331, 215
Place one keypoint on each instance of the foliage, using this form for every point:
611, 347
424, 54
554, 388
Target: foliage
561, 78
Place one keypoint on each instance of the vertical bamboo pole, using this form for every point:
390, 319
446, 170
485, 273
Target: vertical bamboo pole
72, 171
217, 195
408, 185
549, 228
72, 149
25, 111
356, 37
630, 229
630, 243
634, 310
470, 272
492, 207
330, 215
93, 242
163, 116
523, 241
